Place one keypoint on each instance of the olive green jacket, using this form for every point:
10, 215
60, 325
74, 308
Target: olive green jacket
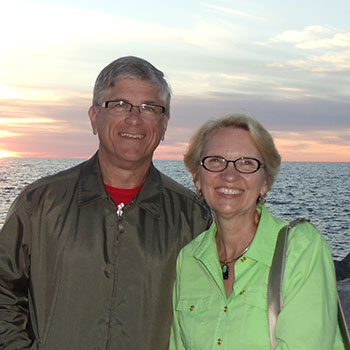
74, 275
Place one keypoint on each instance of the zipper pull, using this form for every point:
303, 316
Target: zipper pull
120, 217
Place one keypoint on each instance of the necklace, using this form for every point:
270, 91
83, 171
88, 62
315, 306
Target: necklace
224, 263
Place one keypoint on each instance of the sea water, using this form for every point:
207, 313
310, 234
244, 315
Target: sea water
319, 192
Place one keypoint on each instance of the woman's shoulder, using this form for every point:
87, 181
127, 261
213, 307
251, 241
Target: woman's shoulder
306, 244
196, 242
305, 232
200, 242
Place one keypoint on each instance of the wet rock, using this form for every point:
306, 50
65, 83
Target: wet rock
342, 268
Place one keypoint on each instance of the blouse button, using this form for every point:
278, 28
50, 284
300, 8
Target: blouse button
219, 341
225, 309
242, 292
243, 259
191, 307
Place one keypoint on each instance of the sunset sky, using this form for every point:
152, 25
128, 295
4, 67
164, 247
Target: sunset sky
285, 62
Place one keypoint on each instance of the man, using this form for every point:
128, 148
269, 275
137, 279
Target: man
87, 256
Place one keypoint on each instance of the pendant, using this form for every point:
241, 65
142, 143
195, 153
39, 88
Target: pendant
225, 272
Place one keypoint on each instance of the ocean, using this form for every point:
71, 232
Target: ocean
319, 192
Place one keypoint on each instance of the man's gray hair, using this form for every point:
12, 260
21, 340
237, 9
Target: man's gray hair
134, 68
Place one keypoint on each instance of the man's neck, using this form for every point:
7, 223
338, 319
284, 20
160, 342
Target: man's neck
124, 174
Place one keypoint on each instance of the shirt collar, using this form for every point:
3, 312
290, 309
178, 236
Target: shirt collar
91, 187
262, 248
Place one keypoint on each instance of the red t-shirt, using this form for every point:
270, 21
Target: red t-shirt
122, 195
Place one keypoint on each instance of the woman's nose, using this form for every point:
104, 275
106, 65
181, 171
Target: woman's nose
230, 173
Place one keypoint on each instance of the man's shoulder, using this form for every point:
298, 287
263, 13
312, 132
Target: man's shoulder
172, 186
175, 186
60, 178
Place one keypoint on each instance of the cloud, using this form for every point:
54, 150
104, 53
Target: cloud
173, 151
331, 49
283, 114
313, 146
57, 128
46, 34
314, 37
7, 92
230, 11
329, 62
293, 146
59, 42
24, 122
5, 133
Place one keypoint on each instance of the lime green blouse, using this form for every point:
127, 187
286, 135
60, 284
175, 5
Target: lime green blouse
204, 318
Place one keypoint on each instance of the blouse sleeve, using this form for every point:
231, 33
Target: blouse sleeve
308, 319
175, 334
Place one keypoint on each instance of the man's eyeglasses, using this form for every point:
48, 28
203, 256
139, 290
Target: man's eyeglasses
245, 165
120, 107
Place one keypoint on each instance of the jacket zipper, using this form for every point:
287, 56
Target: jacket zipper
120, 217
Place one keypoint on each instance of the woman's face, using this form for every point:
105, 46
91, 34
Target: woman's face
229, 192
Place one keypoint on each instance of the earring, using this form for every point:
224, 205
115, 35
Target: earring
262, 199
199, 194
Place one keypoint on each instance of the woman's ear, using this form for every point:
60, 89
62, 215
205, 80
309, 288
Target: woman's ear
196, 181
264, 188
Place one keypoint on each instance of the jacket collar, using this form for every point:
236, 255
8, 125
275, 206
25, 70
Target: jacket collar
150, 196
92, 189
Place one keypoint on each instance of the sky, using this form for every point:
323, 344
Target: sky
287, 63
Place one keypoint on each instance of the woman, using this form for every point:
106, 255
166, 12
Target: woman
220, 295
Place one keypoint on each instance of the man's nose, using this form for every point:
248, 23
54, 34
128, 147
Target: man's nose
134, 115
132, 108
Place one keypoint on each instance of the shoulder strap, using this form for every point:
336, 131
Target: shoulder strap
274, 297
274, 293
343, 326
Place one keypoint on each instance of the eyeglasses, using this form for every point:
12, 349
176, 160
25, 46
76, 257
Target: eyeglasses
244, 165
120, 107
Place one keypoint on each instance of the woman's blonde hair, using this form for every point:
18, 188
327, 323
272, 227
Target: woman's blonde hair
261, 137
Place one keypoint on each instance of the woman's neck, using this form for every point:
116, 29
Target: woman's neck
235, 234
234, 237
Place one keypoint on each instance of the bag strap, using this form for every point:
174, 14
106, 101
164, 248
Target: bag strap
274, 294
343, 326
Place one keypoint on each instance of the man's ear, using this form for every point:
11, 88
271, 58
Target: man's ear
165, 125
93, 119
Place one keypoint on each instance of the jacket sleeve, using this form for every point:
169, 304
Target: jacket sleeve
175, 334
14, 277
308, 319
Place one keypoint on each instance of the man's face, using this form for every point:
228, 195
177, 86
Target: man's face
129, 138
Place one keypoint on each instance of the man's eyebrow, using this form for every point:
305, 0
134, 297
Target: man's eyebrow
151, 102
